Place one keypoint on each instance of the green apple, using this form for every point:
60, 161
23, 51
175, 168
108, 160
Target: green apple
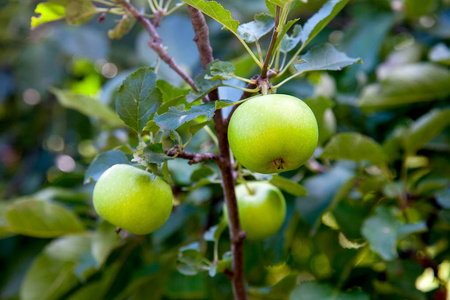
273, 133
261, 207
128, 198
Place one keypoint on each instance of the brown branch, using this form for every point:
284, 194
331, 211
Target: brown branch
156, 42
237, 236
194, 158
272, 44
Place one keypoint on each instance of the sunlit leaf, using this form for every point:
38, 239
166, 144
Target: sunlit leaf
41, 219
289, 186
49, 11
122, 28
88, 106
317, 22
138, 98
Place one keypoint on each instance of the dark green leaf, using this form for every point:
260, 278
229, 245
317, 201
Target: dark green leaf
407, 84
174, 118
353, 146
313, 290
213, 233
201, 173
443, 198
426, 128
41, 219
138, 98
289, 186
317, 22
88, 106
254, 30
154, 153
103, 162
52, 273
324, 57
104, 240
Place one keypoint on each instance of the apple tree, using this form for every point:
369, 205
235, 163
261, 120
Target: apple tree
278, 149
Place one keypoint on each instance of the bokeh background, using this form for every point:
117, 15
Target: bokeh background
324, 249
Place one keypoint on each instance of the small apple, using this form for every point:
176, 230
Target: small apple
128, 198
262, 209
273, 133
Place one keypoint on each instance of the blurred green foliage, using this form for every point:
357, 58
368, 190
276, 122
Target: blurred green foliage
374, 225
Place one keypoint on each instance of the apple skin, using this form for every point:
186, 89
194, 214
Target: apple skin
128, 198
262, 213
273, 133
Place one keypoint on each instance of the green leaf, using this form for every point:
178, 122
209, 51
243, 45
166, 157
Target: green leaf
220, 70
221, 265
215, 11
104, 240
326, 121
201, 173
52, 273
289, 186
190, 259
324, 57
288, 43
79, 11
49, 11
313, 290
442, 197
4, 232
317, 22
353, 146
440, 54
382, 230
254, 30
271, 7
122, 28
281, 3
41, 219
103, 162
407, 84
88, 106
213, 233
138, 98
154, 153
426, 128
169, 92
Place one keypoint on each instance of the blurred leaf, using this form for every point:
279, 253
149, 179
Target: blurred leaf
215, 11
320, 291
326, 121
103, 162
287, 42
4, 232
122, 28
407, 84
283, 288
417, 8
220, 70
440, 54
41, 219
104, 240
426, 128
442, 197
52, 273
317, 22
190, 259
254, 30
88, 106
353, 146
49, 11
213, 233
154, 153
79, 11
289, 186
321, 190
382, 230
350, 215
324, 57
138, 98
201, 173
220, 266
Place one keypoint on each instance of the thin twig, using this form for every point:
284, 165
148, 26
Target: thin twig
272, 43
194, 158
237, 236
156, 42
